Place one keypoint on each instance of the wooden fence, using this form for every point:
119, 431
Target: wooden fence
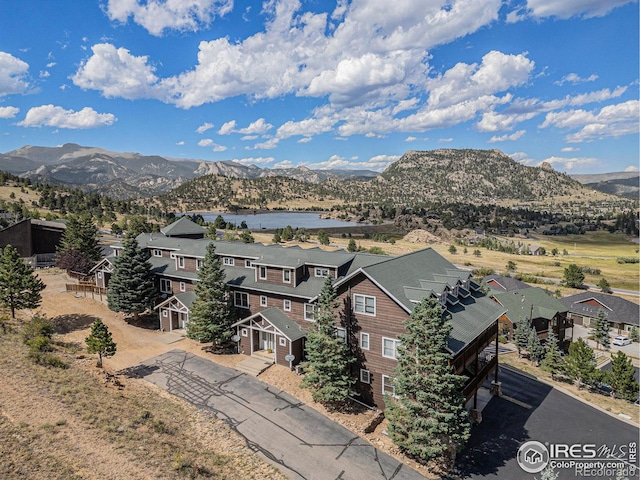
85, 288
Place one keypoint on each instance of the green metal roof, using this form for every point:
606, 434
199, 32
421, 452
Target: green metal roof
183, 226
530, 303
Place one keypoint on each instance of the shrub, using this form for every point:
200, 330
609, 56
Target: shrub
38, 326
628, 260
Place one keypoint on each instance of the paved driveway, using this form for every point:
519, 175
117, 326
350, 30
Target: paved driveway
299, 441
553, 418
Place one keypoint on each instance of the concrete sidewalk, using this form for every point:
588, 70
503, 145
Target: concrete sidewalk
296, 439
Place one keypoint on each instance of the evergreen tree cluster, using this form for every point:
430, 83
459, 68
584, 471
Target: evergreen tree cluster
20, 287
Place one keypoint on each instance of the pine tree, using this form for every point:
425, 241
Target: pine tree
99, 341
580, 364
427, 416
553, 361
621, 377
352, 247
573, 276
20, 287
78, 250
534, 347
523, 329
634, 334
131, 287
329, 359
211, 315
600, 330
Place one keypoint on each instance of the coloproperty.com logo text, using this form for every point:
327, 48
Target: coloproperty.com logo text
584, 460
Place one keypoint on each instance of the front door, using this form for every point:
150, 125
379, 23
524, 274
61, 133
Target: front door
267, 340
183, 318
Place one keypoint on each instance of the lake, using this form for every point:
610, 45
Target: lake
271, 221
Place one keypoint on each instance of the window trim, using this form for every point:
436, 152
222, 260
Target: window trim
282, 341
248, 263
384, 384
99, 274
164, 282
313, 307
321, 270
286, 305
341, 332
284, 272
229, 261
237, 295
180, 262
396, 343
362, 336
244, 332
156, 252
363, 372
262, 268
183, 287
165, 313
364, 304
265, 303
199, 264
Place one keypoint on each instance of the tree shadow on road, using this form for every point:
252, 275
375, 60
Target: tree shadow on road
71, 322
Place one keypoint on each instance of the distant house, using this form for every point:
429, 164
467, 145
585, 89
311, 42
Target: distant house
543, 311
184, 228
583, 310
499, 283
34, 238
274, 291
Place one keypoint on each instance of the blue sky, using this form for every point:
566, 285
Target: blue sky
326, 84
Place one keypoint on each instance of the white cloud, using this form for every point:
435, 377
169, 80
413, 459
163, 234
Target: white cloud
53, 116
521, 157
207, 142
44, 74
284, 164
247, 138
227, 128
377, 163
159, 15
180, 143
254, 160
610, 121
13, 75
631, 168
259, 127
503, 138
445, 140
410, 139
204, 127
267, 145
305, 140
569, 163
116, 73
571, 8
574, 78
8, 112
570, 149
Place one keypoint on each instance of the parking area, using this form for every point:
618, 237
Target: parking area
299, 441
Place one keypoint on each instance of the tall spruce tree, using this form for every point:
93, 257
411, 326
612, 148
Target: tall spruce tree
580, 364
427, 416
211, 313
553, 361
621, 377
329, 360
523, 330
132, 287
600, 330
78, 250
534, 347
20, 287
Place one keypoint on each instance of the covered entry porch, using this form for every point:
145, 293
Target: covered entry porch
173, 313
271, 334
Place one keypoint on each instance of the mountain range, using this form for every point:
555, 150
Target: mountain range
130, 175
624, 184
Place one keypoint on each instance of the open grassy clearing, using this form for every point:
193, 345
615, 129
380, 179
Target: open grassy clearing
87, 427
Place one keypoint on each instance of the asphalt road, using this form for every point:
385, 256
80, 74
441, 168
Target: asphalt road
554, 418
299, 441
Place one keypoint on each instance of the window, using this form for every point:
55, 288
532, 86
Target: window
99, 274
248, 264
156, 252
165, 313
322, 272
263, 300
228, 261
172, 255
180, 262
116, 252
286, 276
241, 299
364, 341
310, 312
341, 333
183, 287
387, 386
165, 285
244, 332
282, 341
199, 263
364, 304
390, 347
263, 272
365, 376
286, 305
